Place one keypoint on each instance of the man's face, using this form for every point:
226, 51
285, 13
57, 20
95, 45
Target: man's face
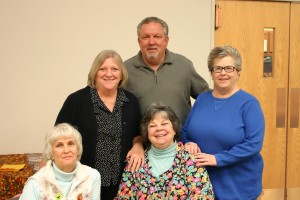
153, 41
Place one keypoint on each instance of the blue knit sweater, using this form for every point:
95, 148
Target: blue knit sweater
232, 129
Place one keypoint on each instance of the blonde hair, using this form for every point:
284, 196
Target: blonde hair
99, 60
63, 130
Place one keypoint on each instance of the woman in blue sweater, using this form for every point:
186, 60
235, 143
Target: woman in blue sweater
225, 130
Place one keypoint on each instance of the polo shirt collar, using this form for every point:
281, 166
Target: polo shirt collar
140, 61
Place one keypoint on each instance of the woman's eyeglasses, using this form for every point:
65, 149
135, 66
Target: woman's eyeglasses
227, 69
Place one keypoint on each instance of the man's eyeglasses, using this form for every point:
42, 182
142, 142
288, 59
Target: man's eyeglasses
218, 69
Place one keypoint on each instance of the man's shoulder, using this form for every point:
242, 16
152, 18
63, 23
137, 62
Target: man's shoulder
129, 95
131, 61
177, 57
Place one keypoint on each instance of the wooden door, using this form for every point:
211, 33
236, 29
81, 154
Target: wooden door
293, 145
242, 24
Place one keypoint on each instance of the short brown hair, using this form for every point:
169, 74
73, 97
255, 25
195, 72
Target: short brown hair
165, 111
224, 51
148, 20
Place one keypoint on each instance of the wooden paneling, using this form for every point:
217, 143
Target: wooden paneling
293, 154
242, 25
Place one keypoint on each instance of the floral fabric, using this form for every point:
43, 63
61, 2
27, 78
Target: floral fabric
12, 183
186, 179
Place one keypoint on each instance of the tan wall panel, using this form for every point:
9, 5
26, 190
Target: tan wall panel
47, 48
293, 159
242, 25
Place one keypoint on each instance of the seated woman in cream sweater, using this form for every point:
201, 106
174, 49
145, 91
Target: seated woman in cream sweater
63, 177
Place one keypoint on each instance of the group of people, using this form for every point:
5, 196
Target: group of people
131, 132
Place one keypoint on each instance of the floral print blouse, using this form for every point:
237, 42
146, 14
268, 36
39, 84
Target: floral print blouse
186, 179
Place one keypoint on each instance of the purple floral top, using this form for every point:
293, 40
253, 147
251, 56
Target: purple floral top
186, 179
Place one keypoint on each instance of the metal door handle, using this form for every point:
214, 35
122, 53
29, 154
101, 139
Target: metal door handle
294, 110
280, 107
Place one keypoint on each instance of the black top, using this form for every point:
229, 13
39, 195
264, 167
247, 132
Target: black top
78, 110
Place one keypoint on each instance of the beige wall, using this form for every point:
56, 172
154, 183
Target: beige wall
47, 47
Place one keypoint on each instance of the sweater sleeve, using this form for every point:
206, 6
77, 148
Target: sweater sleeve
96, 190
198, 84
184, 136
68, 111
254, 127
31, 190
